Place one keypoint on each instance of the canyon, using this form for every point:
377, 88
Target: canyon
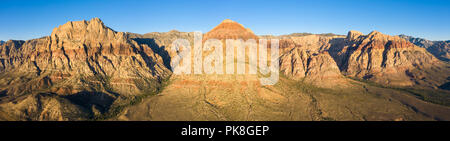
87, 71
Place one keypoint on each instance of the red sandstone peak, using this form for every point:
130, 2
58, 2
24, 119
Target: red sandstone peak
229, 29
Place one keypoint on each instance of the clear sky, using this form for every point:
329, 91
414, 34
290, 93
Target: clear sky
430, 19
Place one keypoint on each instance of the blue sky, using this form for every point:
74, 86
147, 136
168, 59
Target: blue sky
430, 19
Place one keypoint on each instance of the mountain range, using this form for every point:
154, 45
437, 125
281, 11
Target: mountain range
440, 49
87, 71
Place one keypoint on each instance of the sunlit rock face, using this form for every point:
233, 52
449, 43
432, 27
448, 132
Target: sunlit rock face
317, 68
83, 50
229, 29
389, 60
78, 58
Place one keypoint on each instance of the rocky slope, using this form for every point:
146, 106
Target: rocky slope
305, 57
440, 49
311, 87
317, 68
389, 60
84, 61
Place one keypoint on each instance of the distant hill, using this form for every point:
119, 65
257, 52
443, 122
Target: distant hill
306, 34
440, 49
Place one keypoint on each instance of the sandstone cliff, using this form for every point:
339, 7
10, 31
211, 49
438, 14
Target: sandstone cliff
317, 68
389, 60
78, 59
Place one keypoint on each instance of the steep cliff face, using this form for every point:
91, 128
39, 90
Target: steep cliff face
80, 58
316, 43
390, 60
385, 59
306, 58
317, 68
84, 49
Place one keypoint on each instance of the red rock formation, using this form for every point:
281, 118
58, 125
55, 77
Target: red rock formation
229, 29
390, 60
318, 68
78, 58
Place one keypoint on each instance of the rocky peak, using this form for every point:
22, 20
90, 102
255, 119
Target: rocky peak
86, 50
376, 39
14, 43
229, 29
378, 36
174, 31
352, 34
375, 32
7, 47
86, 30
228, 21
389, 60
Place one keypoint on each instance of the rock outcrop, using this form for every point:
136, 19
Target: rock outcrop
313, 43
389, 60
317, 68
440, 49
306, 58
78, 58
